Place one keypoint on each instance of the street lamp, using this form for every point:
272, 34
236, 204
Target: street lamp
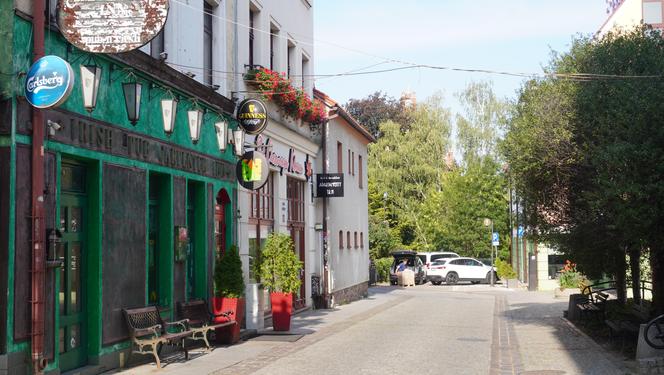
489, 223
238, 141
90, 78
132, 96
221, 128
195, 117
169, 107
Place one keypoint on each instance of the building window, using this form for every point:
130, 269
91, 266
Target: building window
341, 239
290, 58
305, 71
340, 158
353, 158
362, 240
295, 196
359, 172
355, 240
252, 24
274, 34
262, 202
157, 45
207, 44
348, 239
349, 161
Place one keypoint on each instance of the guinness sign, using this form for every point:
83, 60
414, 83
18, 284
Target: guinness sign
252, 116
252, 170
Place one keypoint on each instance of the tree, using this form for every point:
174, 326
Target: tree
377, 108
406, 165
587, 153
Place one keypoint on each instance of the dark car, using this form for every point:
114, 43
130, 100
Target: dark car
413, 263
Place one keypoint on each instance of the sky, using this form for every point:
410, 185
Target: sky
510, 35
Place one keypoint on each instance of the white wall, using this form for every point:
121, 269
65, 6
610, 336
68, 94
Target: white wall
630, 13
348, 266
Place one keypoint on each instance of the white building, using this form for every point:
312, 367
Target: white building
348, 217
628, 13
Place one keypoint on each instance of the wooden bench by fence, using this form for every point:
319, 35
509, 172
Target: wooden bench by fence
594, 305
149, 332
201, 319
628, 326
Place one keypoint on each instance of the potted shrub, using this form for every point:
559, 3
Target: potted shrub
229, 293
279, 273
570, 281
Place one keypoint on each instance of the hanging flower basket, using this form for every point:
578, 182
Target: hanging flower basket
294, 101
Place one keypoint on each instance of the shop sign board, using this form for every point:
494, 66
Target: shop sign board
49, 82
276, 157
252, 170
329, 185
103, 26
252, 116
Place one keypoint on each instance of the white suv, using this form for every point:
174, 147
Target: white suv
428, 258
460, 269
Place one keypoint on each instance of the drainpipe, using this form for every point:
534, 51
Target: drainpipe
38, 230
326, 298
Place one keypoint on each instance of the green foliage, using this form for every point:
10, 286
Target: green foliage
279, 266
228, 278
381, 239
376, 109
383, 268
505, 270
570, 277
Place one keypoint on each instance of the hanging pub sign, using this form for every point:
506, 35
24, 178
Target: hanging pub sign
252, 116
329, 185
252, 170
103, 26
49, 82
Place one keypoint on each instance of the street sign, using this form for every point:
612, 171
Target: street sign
49, 82
519, 232
495, 241
329, 185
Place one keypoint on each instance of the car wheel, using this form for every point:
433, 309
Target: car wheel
452, 278
436, 282
474, 282
488, 277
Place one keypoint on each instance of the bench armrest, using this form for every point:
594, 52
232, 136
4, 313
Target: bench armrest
224, 314
184, 323
140, 332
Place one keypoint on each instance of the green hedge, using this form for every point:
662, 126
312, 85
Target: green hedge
383, 268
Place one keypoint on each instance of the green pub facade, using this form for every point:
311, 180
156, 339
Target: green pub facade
133, 215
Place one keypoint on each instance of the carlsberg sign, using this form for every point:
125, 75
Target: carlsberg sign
49, 82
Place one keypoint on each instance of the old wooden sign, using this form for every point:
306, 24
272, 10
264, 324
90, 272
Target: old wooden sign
103, 26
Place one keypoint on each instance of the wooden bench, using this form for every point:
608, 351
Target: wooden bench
149, 332
594, 305
628, 326
201, 320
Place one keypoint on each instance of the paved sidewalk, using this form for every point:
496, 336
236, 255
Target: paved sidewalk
529, 336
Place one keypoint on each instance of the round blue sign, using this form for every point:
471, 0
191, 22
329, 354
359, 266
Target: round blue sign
49, 82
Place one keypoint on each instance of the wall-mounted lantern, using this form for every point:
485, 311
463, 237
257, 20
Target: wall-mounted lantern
238, 141
132, 96
195, 121
221, 127
90, 78
169, 107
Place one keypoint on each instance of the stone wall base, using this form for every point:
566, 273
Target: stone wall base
651, 366
350, 294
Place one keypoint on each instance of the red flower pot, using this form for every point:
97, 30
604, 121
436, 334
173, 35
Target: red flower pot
228, 334
282, 309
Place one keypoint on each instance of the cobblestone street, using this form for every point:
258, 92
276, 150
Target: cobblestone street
427, 330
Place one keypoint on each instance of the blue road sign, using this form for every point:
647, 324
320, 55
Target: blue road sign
519, 232
49, 82
495, 241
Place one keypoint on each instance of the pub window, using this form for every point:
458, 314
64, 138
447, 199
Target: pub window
341, 239
340, 158
348, 239
355, 239
207, 43
362, 240
359, 172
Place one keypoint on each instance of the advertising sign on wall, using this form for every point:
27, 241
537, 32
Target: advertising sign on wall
252, 170
104, 26
329, 185
49, 82
252, 116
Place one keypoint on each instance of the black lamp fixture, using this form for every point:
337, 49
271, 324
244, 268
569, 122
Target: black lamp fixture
90, 78
169, 108
221, 127
132, 96
195, 116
